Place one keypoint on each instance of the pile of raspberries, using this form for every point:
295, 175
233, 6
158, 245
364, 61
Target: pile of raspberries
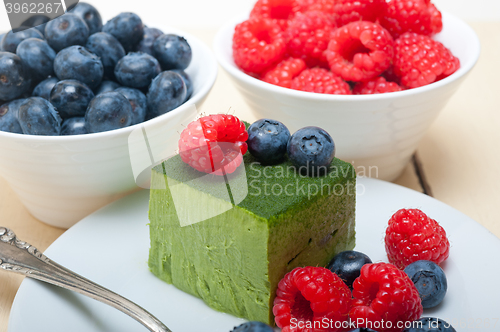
343, 46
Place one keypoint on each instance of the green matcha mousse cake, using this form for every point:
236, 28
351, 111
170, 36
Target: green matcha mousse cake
230, 239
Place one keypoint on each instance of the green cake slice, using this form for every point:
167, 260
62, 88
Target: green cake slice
229, 240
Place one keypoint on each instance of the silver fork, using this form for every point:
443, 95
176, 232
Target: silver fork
20, 257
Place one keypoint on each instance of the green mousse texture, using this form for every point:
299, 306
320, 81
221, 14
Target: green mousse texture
230, 239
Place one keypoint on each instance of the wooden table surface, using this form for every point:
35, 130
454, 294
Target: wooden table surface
458, 159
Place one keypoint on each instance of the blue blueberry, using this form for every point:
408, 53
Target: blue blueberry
137, 70
9, 114
109, 49
148, 40
41, 28
78, 63
138, 102
173, 52
38, 22
12, 39
430, 324
347, 265
267, 140
71, 98
38, 58
90, 15
14, 78
107, 86
38, 117
167, 92
311, 150
108, 111
66, 30
74, 126
44, 88
187, 80
127, 28
253, 327
430, 281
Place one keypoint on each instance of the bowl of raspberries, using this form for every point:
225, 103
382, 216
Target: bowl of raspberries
373, 73
80, 97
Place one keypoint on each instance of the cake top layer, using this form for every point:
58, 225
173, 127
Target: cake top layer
266, 191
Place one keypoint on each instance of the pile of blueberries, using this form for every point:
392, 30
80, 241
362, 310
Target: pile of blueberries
73, 75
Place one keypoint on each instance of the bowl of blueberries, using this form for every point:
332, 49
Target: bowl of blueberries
74, 90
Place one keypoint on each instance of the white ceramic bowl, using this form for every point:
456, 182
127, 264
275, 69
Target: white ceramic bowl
378, 133
62, 179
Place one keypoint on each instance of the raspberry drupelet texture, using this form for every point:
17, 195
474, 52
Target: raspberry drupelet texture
320, 80
325, 6
360, 51
419, 16
436, 19
420, 60
376, 85
214, 144
309, 295
280, 11
284, 72
258, 44
412, 236
308, 35
384, 293
346, 11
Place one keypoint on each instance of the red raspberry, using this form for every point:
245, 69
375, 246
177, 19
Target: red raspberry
420, 60
308, 296
320, 80
284, 72
360, 51
258, 44
347, 11
280, 11
436, 19
384, 294
418, 16
325, 6
413, 236
376, 85
214, 144
390, 76
308, 37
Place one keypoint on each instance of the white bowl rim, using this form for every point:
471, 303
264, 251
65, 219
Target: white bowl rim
211, 62
233, 70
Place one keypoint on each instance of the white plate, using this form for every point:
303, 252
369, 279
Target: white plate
111, 247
